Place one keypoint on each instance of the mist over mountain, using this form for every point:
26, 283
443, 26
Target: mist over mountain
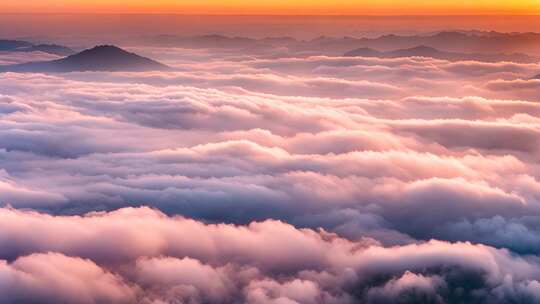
528, 43
51, 49
204, 41
11, 45
425, 51
99, 58
449, 41
25, 46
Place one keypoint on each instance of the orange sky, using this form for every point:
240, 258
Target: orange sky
331, 7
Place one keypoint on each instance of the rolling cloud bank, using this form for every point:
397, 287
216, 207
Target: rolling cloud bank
247, 179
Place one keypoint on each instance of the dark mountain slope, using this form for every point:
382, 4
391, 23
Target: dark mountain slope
99, 58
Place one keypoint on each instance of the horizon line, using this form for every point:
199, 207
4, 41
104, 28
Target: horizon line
275, 15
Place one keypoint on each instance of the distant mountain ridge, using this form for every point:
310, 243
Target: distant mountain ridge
459, 42
99, 58
429, 52
450, 41
25, 46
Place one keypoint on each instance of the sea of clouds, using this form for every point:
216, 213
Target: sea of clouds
257, 179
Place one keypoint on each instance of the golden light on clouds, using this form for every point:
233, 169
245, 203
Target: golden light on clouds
344, 7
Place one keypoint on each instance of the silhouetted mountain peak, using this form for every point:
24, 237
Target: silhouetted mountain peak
105, 49
99, 58
105, 53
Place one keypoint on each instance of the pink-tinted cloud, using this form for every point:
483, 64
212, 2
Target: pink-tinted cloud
293, 179
56, 278
143, 254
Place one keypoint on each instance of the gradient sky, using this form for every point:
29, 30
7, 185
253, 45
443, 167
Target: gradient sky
383, 7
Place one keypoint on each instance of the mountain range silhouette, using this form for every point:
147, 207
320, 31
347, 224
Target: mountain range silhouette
451, 41
426, 51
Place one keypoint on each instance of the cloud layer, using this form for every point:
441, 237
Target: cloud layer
142, 255
310, 179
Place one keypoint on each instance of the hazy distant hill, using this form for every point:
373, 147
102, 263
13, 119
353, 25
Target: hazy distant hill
450, 41
99, 58
24, 46
425, 51
10, 45
528, 43
205, 41
52, 49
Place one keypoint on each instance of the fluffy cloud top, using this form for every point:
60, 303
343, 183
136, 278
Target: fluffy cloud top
239, 179
142, 255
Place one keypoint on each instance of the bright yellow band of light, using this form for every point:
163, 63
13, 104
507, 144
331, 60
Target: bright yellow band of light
289, 7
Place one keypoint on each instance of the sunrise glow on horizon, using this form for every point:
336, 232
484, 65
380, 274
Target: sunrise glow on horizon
277, 7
